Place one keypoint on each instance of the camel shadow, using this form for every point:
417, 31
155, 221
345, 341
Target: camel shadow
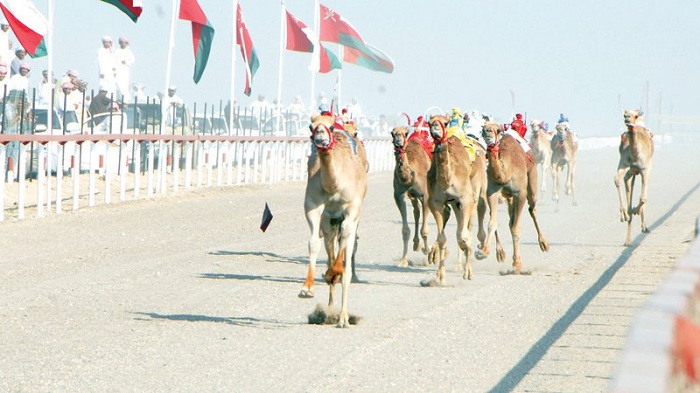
236, 321
269, 256
249, 277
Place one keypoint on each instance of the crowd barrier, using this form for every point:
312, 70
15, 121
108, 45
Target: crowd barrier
77, 169
662, 350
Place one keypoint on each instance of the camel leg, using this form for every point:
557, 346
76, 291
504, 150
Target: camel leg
515, 208
348, 238
424, 225
629, 188
546, 163
464, 231
416, 221
532, 209
355, 279
438, 251
480, 215
555, 182
643, 197
484, 250
405, 230
619, 176
313, 218
570, 181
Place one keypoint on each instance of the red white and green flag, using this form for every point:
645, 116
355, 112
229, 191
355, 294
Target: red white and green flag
132, 8
334, 28
370, 57
301, 38
202, 35
250, 57
28, 24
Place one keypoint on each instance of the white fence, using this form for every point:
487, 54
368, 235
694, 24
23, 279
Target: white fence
77, 171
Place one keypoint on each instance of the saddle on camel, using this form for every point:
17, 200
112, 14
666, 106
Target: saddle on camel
449, 186
413, 155
636, 153
335, 191
513, 174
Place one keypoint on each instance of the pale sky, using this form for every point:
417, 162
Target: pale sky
575, 57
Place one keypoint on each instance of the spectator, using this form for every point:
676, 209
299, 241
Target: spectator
65, 100
260, 109
124, 60
3, 81
45, 89
169, 105
107, 64
382, 127
354, 109
297, 107
20, 81
6, 55
102, 103
20, 55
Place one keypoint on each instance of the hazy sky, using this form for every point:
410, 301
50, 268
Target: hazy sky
575, 57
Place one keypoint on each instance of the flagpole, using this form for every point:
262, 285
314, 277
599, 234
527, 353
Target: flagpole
233, 65
279, 79
339, 81
49, 112
171, 46
314, 57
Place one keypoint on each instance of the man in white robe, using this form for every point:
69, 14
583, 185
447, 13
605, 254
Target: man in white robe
124, 60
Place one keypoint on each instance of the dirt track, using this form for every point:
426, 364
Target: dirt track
184, 293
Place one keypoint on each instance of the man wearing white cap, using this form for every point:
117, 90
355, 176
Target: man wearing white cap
45, 87
124, 59
5, 52
107, 64
20, 81
3, 81
66, 102
20, 57
170, 103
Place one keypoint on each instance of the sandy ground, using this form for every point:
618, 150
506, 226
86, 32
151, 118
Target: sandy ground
184, 293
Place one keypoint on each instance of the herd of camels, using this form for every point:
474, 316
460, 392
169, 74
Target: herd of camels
443, 174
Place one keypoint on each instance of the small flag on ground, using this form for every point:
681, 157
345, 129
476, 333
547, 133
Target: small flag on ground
266, 218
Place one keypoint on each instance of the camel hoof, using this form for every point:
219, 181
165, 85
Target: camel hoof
433, 282
306, 294
501, 256
403, 263
544, 245
645, 229
467, 276
416, 246
480, 255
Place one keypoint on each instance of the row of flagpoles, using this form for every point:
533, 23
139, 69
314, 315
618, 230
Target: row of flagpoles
34, 33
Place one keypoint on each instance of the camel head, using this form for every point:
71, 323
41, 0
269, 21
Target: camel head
491, 132
322, 132
634, 117
351, 128
438, 127
562, 128
399, 135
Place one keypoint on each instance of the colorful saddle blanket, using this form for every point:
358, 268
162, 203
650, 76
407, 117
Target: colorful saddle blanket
470, 144
425, 140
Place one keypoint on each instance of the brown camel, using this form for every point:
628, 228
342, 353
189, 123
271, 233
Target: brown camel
335, 191
449, 185
511, 172
636, 152
411, 180
541, 149
564, 147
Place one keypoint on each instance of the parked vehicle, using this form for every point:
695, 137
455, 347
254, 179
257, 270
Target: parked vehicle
209, 125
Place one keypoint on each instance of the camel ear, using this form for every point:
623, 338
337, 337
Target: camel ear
311, 128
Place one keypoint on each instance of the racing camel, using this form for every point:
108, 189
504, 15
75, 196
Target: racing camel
413, 156
541, 149
449, 185
335, 191
636, 151
512, 173
564, 147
